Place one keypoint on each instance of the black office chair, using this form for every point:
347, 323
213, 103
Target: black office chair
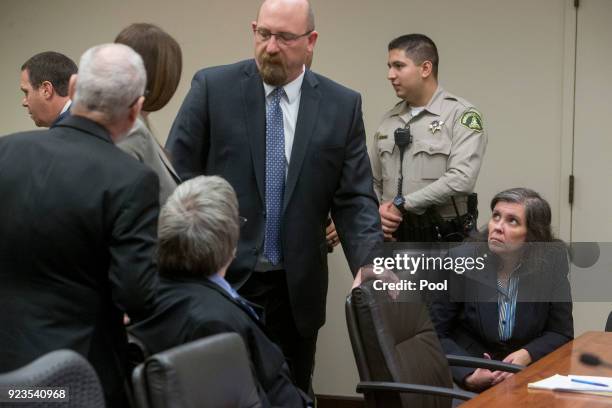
57, 369
609, 323
398, 354
137, 351
210, 372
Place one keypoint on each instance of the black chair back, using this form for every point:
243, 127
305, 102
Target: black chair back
58, 369
210, 372
395, 341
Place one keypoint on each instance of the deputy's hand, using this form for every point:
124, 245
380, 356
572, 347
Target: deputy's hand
390, 217
480, 379
331, 235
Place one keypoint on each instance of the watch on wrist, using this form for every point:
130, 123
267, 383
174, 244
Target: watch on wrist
399, 203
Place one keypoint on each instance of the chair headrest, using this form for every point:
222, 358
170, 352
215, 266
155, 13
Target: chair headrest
60, 369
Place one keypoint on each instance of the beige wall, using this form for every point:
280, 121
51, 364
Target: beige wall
512, 59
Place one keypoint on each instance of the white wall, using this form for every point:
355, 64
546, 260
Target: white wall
512, 59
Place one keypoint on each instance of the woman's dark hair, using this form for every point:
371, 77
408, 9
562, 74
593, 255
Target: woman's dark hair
162, 58
537, 212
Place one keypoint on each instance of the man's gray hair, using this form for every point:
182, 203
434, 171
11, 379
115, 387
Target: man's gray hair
111, 78
198, 228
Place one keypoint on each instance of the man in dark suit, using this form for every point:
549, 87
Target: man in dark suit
198, 233
292, 144
78, 226
44, 83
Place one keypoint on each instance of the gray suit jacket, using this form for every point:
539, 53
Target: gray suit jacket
141, 144
221, 129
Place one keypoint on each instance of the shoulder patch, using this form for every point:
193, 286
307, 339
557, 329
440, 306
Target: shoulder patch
472, 120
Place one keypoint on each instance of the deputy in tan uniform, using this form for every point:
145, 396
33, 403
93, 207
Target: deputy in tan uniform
427, 151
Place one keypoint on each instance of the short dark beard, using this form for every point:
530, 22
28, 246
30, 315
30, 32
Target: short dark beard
272, 69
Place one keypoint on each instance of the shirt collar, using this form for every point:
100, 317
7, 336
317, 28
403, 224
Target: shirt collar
66, 106
292, 89
220, 281
434, 106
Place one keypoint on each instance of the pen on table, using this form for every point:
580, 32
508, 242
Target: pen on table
589, 382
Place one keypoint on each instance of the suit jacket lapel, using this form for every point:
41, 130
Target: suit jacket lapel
254, 103
487, 306
306, 120
166, 161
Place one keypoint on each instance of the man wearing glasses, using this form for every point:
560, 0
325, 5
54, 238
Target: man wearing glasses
427, 151
292, 144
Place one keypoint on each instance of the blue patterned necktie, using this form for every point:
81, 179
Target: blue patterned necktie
275, 175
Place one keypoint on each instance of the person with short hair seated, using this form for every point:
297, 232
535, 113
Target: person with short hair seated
517, 308
198, 233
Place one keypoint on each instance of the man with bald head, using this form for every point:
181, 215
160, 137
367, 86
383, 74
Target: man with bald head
292, 144
78, 222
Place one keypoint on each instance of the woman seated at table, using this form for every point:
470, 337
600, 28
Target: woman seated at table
518, 307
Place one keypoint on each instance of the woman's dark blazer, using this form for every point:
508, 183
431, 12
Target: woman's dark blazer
467, 317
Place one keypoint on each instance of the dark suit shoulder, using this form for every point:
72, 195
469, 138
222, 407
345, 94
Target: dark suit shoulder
186, 311
103, 154
333, 86
22, 137
228, 71
203, 302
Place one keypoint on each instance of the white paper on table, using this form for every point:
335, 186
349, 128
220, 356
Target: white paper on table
564, 383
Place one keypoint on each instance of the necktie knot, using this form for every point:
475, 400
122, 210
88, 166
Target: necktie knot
277, 94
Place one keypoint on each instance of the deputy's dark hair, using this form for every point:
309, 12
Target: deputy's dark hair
419, 48
50, 66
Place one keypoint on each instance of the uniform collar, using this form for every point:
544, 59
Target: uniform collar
434, 106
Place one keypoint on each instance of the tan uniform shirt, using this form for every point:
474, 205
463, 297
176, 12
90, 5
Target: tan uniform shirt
448, 143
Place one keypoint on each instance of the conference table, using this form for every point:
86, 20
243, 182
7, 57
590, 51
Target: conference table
513, 391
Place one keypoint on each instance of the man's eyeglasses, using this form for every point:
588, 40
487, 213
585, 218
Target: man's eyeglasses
264, 35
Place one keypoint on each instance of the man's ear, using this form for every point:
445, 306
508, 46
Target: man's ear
46, 89
312, 40
426, 69
72, 85
135, 109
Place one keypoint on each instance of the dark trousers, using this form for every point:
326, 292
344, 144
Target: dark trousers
269, 290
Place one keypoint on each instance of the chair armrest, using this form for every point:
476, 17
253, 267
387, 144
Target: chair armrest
476, 362
365, 386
